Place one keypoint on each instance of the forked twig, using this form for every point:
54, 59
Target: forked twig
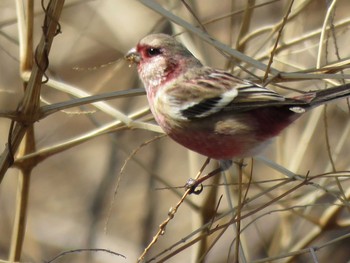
171, 214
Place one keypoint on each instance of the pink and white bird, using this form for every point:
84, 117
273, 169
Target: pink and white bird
210, 111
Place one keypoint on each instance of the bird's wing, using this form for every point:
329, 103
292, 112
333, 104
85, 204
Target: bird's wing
205, 91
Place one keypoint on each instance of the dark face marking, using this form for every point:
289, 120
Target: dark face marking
148, 52
152, 52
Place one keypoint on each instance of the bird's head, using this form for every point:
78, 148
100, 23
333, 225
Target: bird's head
160, 58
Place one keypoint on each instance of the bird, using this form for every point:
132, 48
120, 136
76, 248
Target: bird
211, 111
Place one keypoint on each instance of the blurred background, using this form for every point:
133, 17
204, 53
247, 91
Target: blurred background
102, 184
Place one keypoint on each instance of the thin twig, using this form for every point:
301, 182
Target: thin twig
80, 250
284, 21
239, 211
121, 172
171, 214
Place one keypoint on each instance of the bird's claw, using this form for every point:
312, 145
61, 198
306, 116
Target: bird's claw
192, 184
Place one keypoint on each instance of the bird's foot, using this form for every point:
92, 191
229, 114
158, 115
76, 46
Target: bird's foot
193, 184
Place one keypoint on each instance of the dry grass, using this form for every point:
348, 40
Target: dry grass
80, 167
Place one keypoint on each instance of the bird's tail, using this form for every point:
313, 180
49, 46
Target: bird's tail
326, 95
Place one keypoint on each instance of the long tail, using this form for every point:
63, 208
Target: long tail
326, 95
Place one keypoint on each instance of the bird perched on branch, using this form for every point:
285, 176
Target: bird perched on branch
211, 111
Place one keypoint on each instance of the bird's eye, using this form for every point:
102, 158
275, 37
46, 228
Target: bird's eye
153, 51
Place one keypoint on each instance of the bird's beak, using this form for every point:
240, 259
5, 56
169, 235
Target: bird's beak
133, 56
